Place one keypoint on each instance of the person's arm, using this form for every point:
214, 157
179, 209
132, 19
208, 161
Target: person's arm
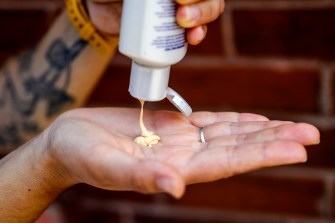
56, 75
96, 147
27, 184
63, 69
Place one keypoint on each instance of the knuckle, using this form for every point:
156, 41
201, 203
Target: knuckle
218, 8
215, 9
221, 6
230, 164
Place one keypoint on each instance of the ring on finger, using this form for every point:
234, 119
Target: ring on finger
202, 135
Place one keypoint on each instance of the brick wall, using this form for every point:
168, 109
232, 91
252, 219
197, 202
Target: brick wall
273, 57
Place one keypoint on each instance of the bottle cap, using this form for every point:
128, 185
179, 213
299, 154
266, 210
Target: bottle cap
178, 102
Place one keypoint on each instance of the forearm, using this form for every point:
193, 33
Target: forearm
29, 182
57, 75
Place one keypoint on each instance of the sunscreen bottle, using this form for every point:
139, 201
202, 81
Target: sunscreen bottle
151, 37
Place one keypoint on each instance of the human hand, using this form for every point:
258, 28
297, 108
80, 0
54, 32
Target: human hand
195, 14
191, 14
95, 146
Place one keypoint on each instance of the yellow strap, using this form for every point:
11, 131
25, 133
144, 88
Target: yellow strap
86, 29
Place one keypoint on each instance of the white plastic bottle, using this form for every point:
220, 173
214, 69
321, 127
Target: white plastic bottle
153, 40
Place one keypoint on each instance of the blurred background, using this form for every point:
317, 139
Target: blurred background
272, 57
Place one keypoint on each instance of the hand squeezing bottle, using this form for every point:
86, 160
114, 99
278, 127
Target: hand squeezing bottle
154, 41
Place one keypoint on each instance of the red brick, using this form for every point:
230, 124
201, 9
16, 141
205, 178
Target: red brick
215, 85
212, 44
234, 87
323, 155
148, 219
112, 89
294, 33
332, 201
23, 28
83, 216
257, 194
333, 88
82, 203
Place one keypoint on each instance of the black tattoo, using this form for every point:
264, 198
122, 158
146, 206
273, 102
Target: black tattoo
45, 86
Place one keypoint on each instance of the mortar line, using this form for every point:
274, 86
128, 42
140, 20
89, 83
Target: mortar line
192, 213
326, 88
281, 5
31, 5
328, 198
228, 33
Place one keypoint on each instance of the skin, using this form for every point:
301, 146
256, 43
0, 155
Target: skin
235, 143
191, 14
96, 147
93, 146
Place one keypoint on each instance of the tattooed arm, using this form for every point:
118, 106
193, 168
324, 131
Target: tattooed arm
97, 147
56, 75
62, 70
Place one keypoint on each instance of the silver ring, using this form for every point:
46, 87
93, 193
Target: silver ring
202, 135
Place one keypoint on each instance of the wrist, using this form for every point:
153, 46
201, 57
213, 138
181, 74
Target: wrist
52, 170
30, 181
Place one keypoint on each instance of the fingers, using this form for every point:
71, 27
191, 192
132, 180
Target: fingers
196, 35
220, 129
122, 171
194, 13
238, 128
105, 15
219, 162
200, 119
302, 133
244, 146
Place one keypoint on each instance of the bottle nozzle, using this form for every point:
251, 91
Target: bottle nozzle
149, 83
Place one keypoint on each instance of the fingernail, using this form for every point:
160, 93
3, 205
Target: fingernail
189, 14
303, 158
166, 185
200, 33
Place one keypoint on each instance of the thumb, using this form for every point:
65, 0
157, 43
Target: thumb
122, 171
155, 176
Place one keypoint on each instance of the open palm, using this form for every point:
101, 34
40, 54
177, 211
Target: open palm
96, 147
